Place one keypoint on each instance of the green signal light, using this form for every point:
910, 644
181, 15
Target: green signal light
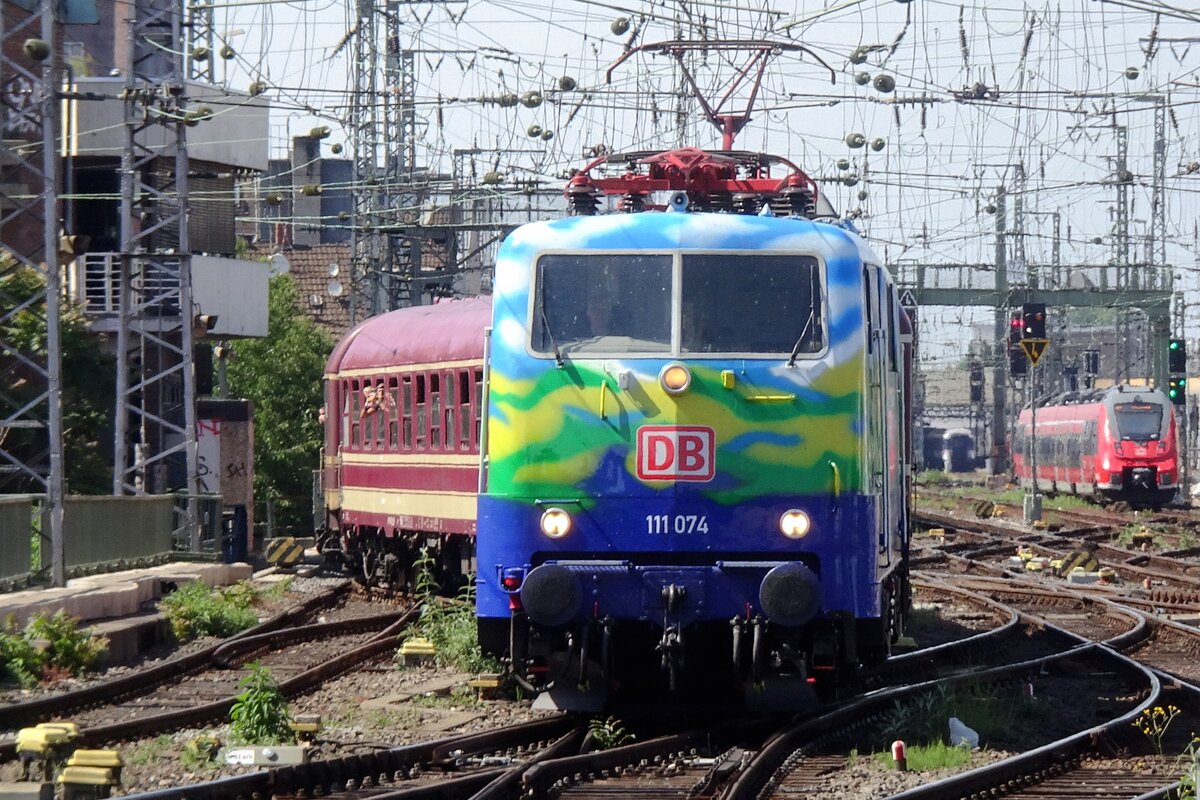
1174, 345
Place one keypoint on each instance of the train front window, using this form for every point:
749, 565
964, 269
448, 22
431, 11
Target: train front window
1139, 422
602, 304
751, 303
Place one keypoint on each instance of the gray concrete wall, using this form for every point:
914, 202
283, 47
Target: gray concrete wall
16, 516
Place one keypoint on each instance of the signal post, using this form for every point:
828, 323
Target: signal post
1033, 343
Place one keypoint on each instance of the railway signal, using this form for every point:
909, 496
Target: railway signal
1177, 390
1033, 317
1177, 356
1017, 362
976, 382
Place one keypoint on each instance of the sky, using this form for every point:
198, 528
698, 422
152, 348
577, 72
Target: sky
981, 95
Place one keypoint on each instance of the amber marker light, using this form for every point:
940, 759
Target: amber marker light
675, 378
794, 524
556, 523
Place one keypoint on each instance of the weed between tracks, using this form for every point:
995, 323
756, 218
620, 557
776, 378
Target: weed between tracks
999, 720
451, 626
195, 610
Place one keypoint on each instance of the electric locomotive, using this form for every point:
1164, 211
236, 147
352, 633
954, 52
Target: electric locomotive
1115, 444
694, 451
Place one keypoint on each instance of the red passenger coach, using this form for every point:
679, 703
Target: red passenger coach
400, 472
1117, 443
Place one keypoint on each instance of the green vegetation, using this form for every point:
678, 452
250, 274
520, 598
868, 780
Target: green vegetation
925, 757
282, 375
458, 697
260, 715
88, 389
153, 750
195, 610
1187, 539
608, 733
998, 719
1154, 722
929, 477
48, 647
450, 625
1189, 761
200, 753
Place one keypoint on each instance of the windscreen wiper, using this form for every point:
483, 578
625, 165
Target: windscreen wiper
558, 359
796, 348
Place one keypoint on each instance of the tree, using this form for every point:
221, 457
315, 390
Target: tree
281, 374
88, 386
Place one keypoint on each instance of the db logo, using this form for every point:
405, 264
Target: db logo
670, 452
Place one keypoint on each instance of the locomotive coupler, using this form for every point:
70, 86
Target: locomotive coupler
671, 647
673, 594
671, 644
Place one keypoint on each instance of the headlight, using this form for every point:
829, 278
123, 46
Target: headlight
675, 378
794, 524
556, 523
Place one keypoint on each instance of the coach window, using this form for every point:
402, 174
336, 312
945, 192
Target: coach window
347, 392
464, 410
420, 410
393, 415
450, 411
406, 412
355, 414
435, 408
477, 406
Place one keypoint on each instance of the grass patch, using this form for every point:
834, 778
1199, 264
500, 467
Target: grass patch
153, 750
200, 753
195, 610
924, 758
930, 477
999, 719
458, 697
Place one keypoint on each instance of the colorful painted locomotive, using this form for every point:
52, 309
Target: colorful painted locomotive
1116, 444
694, 451
695, 433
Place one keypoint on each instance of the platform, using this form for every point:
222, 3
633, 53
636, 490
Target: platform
119, 605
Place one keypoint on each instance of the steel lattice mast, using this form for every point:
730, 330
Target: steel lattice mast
155, 422
364, 142
31, 446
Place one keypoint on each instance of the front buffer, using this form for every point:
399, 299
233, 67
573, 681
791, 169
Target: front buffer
632, 592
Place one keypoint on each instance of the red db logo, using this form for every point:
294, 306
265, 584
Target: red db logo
681, 453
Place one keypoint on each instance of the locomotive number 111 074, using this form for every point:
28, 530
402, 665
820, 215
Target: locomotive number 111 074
676, 523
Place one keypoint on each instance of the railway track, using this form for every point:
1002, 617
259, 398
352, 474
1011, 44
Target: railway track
200, 688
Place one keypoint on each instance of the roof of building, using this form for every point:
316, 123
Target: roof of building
312, 270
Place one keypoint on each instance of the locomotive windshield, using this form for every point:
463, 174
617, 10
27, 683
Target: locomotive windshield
603, 303
743, 303
616, 304
1139, 422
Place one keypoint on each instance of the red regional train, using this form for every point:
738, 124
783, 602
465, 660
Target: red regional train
1116, 443
400, 469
